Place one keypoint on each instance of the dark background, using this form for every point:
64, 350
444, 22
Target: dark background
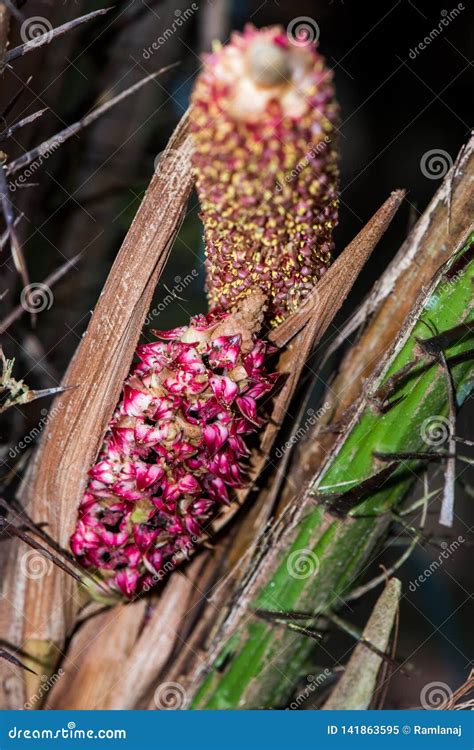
394, 110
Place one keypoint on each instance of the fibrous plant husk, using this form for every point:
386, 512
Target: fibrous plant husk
40, 613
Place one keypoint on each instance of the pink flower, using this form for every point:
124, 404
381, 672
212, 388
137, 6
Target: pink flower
171, 457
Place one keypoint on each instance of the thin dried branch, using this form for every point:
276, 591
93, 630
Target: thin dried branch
447, 504
15, 98
48, 36
58, 139
13, 660
38, 530
8, 132
9, 530
374, 582
15, 392
355, 633
45, 149
9, 217
467, 687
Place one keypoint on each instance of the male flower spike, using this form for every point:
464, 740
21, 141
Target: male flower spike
263, 118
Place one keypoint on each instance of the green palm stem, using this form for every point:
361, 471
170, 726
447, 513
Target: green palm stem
318, 550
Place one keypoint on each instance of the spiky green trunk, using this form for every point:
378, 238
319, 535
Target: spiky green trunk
260, 663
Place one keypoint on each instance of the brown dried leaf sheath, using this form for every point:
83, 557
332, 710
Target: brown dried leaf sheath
35, 611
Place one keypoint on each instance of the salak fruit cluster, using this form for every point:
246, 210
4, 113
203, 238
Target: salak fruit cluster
263, 118
174, 448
